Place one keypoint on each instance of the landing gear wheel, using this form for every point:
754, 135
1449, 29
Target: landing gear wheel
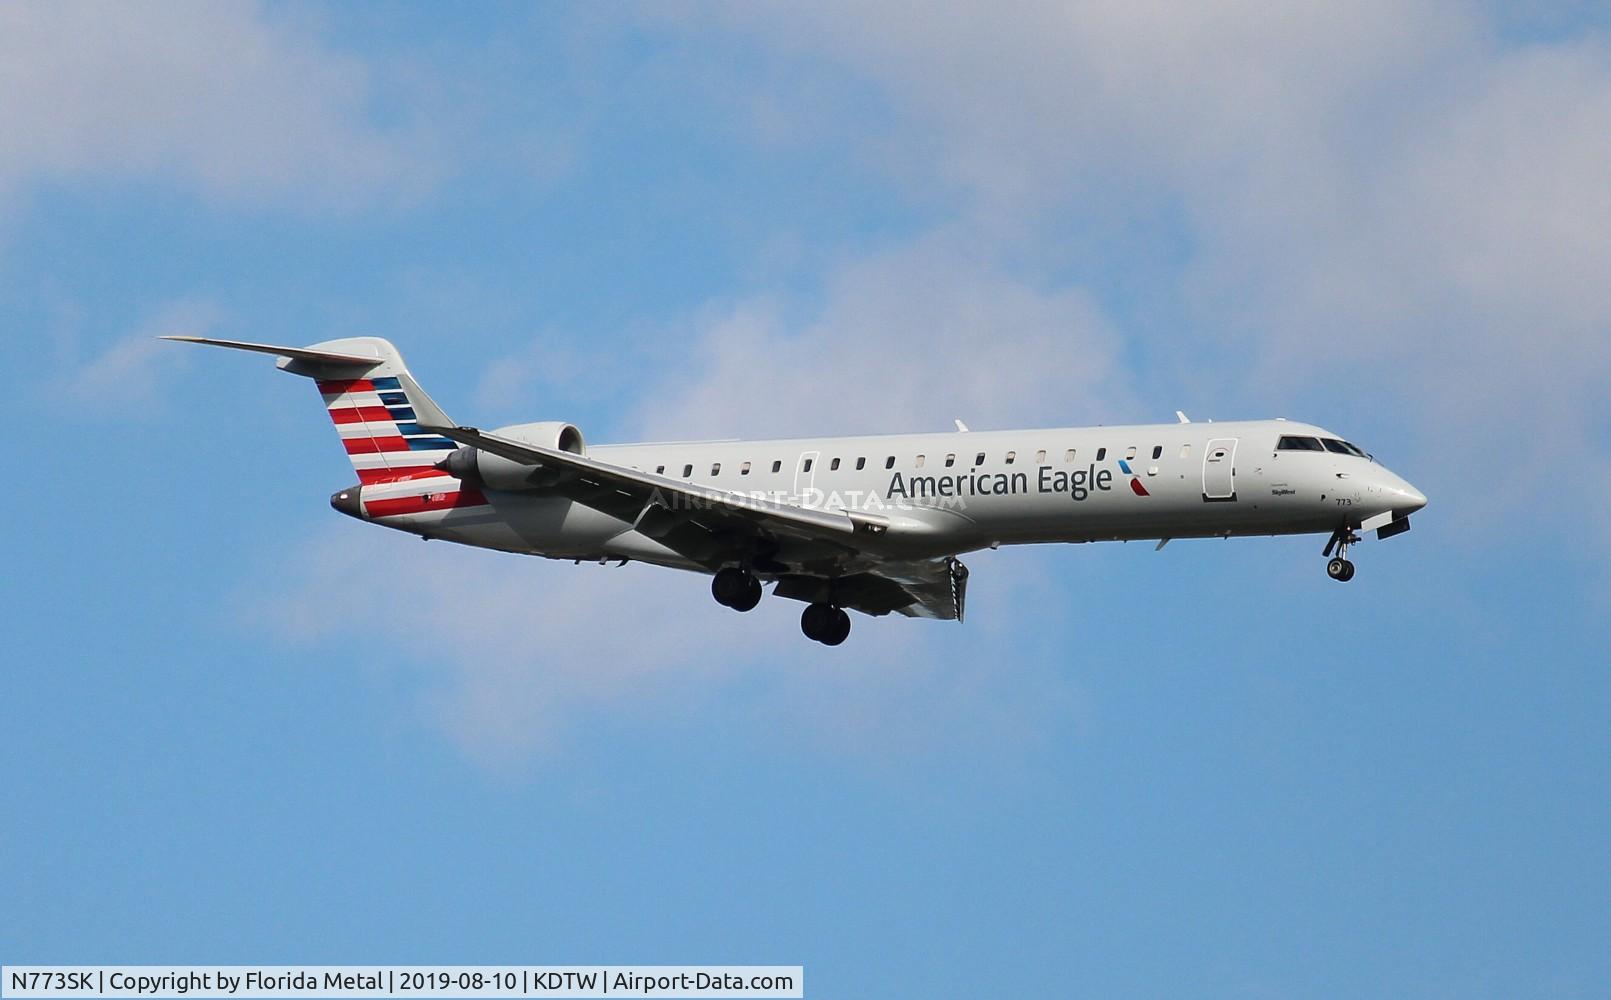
825, 623
736, 588
813, 620
1339, 568
751, 596
839, 628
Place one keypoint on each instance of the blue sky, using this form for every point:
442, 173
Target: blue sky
240, 728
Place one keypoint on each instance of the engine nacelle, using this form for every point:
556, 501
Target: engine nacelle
481, 469
554, 434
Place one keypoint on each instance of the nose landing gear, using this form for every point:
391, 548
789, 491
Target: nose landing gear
1339, 568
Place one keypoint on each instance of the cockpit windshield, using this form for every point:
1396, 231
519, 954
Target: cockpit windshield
1297, 442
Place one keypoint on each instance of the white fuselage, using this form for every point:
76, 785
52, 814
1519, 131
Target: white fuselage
950, 493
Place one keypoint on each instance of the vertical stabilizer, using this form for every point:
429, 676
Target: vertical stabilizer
382, 416
384, 419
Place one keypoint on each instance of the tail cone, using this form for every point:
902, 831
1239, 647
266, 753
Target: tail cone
348, 502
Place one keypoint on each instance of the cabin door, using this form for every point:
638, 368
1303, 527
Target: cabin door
1219, 470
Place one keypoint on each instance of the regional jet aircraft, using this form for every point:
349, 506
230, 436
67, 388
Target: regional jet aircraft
868, 524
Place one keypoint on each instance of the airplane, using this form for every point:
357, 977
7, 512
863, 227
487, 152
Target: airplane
872, 524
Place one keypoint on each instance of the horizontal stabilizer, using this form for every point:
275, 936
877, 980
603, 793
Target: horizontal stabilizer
295, 353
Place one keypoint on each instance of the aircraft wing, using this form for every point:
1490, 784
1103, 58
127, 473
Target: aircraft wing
618, 490
698, 520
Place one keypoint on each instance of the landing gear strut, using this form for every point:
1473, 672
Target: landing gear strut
825, 623
1339, 568
736, 588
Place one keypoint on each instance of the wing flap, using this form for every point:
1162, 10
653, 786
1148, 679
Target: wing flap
938, 588
920, 588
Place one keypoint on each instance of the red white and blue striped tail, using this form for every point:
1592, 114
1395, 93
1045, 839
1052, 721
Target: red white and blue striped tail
379, 424
385, 422
382, 417
379, 411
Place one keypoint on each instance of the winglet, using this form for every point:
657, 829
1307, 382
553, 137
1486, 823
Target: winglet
962, 427
1183, 418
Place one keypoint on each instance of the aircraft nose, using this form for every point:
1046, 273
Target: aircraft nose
1390, 492
346, 501
1403, 498
1411, 500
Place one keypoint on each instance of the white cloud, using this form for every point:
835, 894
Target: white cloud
516, 384
906, 339
1381, 195
1046, 104
519, 650
215, 94
1457, 270
129, 376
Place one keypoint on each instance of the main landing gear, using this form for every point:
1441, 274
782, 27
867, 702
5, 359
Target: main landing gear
736, 588
739, 589
1339, 568
825, 623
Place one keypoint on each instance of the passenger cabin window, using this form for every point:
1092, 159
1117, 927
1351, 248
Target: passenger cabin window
1295, 443
1040, 457
1130, 452
978, 459
950, 460
659, 470
1101, 453
806, 465
1157, 452
744, 469
687, 471
777, 466
715, 468
833, 466
919, 462
1342, 448
861, 463
1185, 451
1068, 456
889, 463
1010, 456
